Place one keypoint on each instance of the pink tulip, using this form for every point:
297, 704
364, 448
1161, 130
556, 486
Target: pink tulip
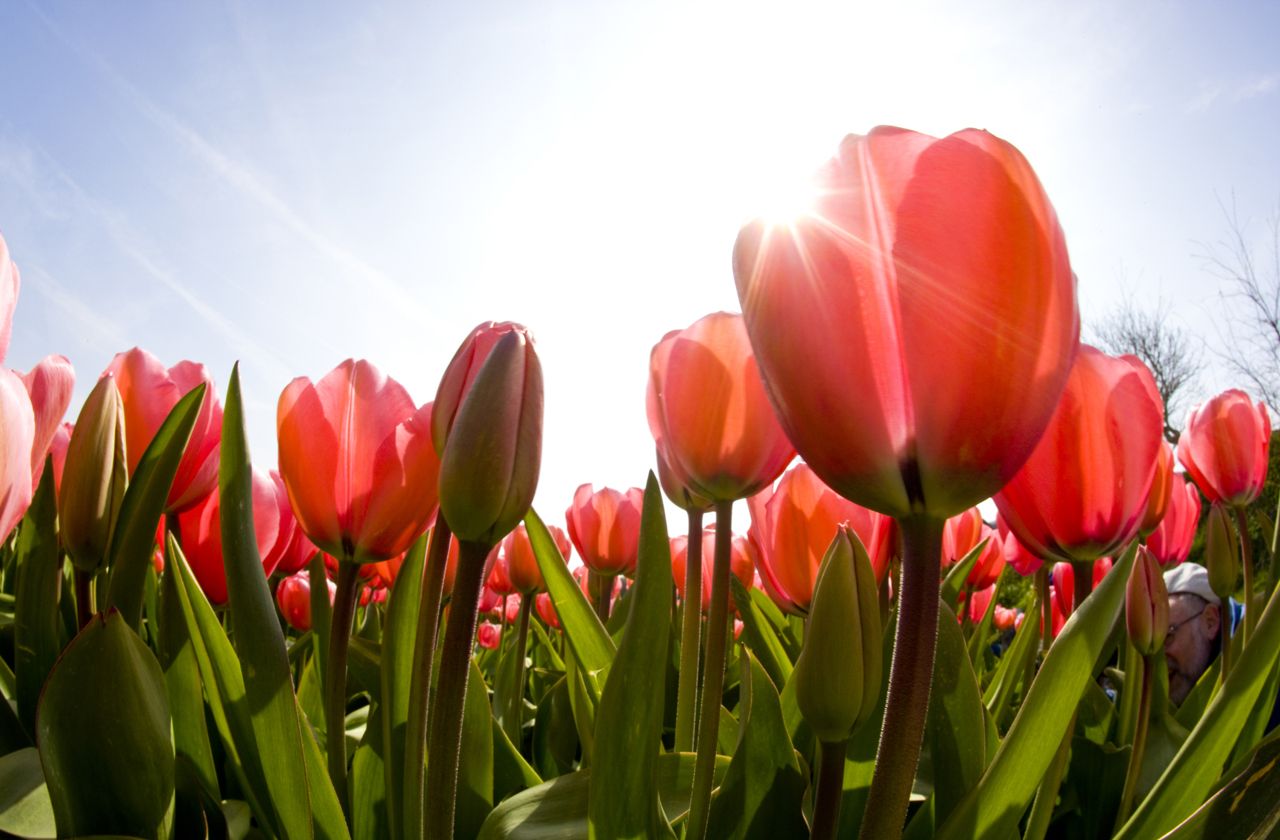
741, 563
1171, 541
19, 425
488, 635
8, 297
200, 532
604, 526
293, 595
49, 384
1224, 448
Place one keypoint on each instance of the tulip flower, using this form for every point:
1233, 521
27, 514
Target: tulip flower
9, 284
1224, 448
1015, 553
293, 595
1083, 492
708, 411
1161, 490
1146, 605
489, 636
741, 564
679, 494
298, 553
90, 499
58, 451
200, 533
961, 534
795, 523
546, 610
1171, 541
1221, 552
1006, 618
516, 562
604, 526
49, 385
19, 425
461, 373
149, 392
978, 602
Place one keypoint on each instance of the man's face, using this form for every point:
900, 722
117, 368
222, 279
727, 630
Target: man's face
1188, 650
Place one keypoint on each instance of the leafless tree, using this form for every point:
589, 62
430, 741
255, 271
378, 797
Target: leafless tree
1251, 292
1174, 355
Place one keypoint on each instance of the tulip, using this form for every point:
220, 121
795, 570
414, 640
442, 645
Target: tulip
1161, 490
794, 526
9, 284
1224, 448
1083, 492
1015, 553
49, 385
741, 565
708, 411
95, 478
979, 602
1064, 588
58, 452
299, 551
963, 533
604, 526
1005, 618
1146, 605
18, 423
1171, 541
200, 533
461, 373
149, 392
293, 595
489, 636
546, 610
679, 494
516, 563
1221, 552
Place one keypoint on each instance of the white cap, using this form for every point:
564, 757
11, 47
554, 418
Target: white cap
1190, 579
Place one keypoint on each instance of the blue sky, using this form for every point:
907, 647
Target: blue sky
293, 186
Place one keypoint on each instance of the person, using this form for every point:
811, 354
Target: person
1195, 628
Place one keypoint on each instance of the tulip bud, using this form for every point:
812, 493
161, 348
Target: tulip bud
489, 467
94, 478
1221, 551
1146, 605
839, 671
461, 372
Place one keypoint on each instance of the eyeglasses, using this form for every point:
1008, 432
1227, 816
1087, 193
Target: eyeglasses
1173, 628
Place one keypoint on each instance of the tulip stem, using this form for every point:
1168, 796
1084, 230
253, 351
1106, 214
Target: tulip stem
335, 711
690, 638
910, 678
826, 806
511, 722
84, 598
444, 746
424, 646
1046, 610
1246, 560
602, 589
1083, 576
1134, 772
712, 676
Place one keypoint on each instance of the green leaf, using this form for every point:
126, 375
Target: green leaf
133, 541
954, 730
186, 694
25, 809
623, 800
1096, 774
108, 763
761, 637
35, 623
397, 672
369, 790
511, 773
591, 644
558, 808
259, 641
763, 788
956, 577
1012, 670
475, 769
555, 737
1190, 776
1247, 806
993, 808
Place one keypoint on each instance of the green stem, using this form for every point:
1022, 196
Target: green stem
445, 743
415, 771
826, 805
1135, 676
712, 677
1134, 772
1047, 793
602, 591
910, 677
84, 598
511, 722
1246, 560
1046, 608
690, 637
1083, 583
335, 709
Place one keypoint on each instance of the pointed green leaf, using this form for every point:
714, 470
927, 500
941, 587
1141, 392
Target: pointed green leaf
1012, 669
397, 672
38, 567
25, 809
511, 773
133, 540
761, 637
475, 770
1247, 806
954, 729
949, 592
182, 680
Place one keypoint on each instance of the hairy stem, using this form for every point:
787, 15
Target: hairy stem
690, 637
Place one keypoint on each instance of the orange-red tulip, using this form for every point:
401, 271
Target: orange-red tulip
708, 411
1146, 605
1224, 448
293, 595
149, 392
1171, 541
961, 534
488, 635
546, 610
794, 524
741, 562
516, 565
49, 384
1083, 492
916, 327
357, 459
462, 371
1161, 488
1015, 553
604, 525
679, 493
200, 532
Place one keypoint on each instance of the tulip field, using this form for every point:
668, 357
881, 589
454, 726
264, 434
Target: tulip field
381, 638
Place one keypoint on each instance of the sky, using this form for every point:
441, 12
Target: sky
289, 185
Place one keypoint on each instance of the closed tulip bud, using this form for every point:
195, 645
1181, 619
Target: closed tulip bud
1221, 551
461, 372
95, 475
489, 467
1146, 605
839, 671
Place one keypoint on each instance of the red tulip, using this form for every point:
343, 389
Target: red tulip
1083, 492
49, 384
1171, 541
200, 532
1224, 448
740, 563
1146, 605
794, 524
462, 371
1015, 553
928, 272
961, 534
604, 526
708, 411
1161, 485
293, 595
149, 393
357, 459
488, 635
298, 553
19, 426
517, 562
1064, 588
679, 493
979, 601
546, 610
490, 603
1005, 618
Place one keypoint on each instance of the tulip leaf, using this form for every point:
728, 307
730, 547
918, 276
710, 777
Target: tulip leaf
25, 809
623, 797
1012, 670
397, 672
955, 729
259, 641
992, 809
368, 793
134, 537
511, 773
1247, 806
761, 638
555, 738
762, 790
182, 679
558, 808
958, 574
592, 646
1189, 778
321, 616
38, 567
475, 769
109, 763
545, 641
582, 705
